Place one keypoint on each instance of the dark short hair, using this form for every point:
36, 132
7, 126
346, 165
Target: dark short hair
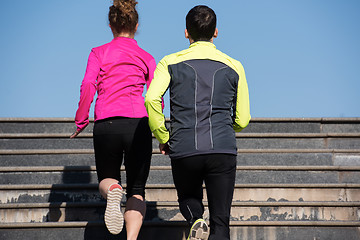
201, 23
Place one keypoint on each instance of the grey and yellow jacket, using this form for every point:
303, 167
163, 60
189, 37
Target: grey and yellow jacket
209, 99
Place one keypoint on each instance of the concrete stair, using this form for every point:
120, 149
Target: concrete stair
296, 179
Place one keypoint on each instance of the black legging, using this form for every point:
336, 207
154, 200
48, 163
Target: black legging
218, 171
124, 139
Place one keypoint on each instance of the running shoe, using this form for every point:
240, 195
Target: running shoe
199, 230
114, 219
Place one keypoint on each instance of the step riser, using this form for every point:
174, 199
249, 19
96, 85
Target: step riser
158, 195
180, 233
41, 196
55, 214
295, 214
243, 159
254, 127
41, 127
165, 177
301, 127
270, 194
47, 160
242, 143
294, 233
298, 143
300, 194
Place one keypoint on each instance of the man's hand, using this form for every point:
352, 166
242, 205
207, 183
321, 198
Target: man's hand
164, 148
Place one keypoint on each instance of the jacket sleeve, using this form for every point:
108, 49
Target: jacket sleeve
87, 91
242, 112
150, 75
153, 101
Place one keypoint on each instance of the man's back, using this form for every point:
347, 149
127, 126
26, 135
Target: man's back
204, 88
202, 97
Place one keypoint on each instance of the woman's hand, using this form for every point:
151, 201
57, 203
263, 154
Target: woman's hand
75, 134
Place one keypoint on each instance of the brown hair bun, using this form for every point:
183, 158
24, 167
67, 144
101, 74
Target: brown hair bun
125, 5
123, 16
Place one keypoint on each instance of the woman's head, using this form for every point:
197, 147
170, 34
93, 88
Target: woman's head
123, 17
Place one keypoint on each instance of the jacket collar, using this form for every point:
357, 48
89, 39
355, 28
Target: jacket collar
202, 44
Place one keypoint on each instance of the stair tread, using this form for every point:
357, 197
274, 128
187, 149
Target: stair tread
156, 151
256, 119
181, 223
168, 168
238, 135
171, 186
175, 204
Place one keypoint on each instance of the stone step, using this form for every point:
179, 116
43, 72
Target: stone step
169, 211
303, 125
299, 142
50, 169
250, 157
245, 141
88, 193
163, 174
40, 125
239, 230
238, 135
261, 125
61, 159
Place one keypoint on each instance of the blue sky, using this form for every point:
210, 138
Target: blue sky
301, 58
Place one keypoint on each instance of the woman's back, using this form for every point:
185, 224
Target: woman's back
124, 70
117, 71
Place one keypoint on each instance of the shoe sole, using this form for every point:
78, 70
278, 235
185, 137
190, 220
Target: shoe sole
114, 219
199, 231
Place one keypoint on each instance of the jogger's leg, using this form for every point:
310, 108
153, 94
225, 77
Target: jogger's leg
134, 216
104, 186
138, 150
220, 181
188, 180
108, 156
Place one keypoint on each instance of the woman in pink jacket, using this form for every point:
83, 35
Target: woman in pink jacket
118, 71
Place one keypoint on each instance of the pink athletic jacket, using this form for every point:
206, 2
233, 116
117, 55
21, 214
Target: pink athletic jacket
117, 71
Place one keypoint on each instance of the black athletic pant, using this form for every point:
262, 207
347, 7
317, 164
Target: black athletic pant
218, 171
128, 140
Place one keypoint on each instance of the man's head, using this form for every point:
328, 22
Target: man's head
201, 24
